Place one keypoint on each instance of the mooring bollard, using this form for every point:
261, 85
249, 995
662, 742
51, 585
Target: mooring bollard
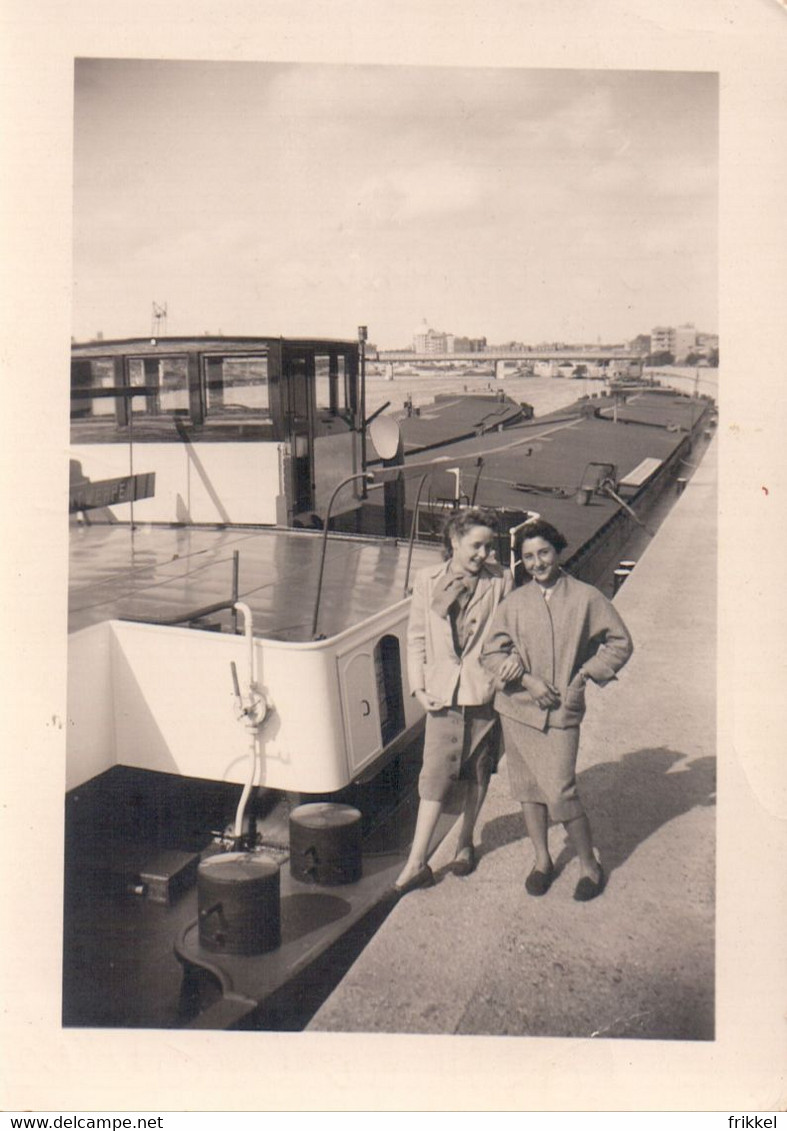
619, 577
238, 899
680, 485
325, 843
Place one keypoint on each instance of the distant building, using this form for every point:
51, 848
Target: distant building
662, 339
685, 341
469, 345
680, 341
550, 347
504, 347
431, 342
707, 344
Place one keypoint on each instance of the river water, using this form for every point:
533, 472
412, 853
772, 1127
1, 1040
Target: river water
545, 394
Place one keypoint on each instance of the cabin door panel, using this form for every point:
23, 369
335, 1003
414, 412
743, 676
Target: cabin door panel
360, 706
299, 379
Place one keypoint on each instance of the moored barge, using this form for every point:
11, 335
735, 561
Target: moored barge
193, 633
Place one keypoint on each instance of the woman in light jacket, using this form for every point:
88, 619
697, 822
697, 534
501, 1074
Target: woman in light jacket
562, 633
452, 607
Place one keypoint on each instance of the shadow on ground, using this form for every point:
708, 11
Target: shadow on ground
627, 801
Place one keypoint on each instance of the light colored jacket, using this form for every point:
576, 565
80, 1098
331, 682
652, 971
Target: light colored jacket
576, 633
432, 662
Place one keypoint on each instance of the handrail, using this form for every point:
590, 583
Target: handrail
193, 614
252, 714
203, 610
413, 525
368, 477
376, 413
414, 522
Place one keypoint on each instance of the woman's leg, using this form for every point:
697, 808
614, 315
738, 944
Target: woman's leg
440, 736
484, 758
537, 826
474, 800
581, 838
425, 824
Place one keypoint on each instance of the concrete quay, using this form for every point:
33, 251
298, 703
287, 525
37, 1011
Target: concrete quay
477, 955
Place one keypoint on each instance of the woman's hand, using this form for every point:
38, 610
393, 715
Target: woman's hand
427, 701
511, 668
545, 694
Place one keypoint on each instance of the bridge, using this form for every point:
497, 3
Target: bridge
579, 354
614, 360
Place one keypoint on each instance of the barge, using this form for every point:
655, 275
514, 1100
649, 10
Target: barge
236, 640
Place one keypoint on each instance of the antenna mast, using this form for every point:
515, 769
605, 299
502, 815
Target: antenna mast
158, 325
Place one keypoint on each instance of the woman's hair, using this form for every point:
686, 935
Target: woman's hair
459, 522
540, 528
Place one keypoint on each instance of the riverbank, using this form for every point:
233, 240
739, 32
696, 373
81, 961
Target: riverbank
479, 956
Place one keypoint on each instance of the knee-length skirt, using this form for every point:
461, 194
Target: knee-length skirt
542, 767
460, 744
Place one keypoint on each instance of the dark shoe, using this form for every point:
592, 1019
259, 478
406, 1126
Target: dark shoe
422, 879
539, 883
464, 861
588, 889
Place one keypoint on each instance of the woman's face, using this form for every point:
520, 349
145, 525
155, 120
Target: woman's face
471, 549
540, 559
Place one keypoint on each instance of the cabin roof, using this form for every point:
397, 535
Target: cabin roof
205, 343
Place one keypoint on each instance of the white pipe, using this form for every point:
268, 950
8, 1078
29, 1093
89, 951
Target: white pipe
252, 716
248, 626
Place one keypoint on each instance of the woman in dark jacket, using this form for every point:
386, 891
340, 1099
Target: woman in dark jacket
563, 633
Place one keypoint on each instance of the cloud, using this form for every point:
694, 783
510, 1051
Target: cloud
441, 190
433, 190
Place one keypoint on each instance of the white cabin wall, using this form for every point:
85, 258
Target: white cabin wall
175, 709
304, 741
162, 698
174, 702
195, 483
91, 714
235, 483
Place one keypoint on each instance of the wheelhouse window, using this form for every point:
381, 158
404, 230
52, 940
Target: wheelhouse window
236, 387
166, 378
332, 387
92, 380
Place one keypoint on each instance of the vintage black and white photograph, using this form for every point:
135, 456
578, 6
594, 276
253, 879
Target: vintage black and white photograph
392, 500
393, 411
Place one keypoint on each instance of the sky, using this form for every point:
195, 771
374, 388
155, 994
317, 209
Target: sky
305, 200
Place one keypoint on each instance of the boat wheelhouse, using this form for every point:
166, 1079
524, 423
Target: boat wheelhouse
215, 430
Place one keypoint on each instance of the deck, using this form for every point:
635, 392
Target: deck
156, 573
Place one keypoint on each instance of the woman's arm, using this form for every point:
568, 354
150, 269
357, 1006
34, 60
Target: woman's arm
416, 644
416, 635
499, 654
612, 640
544, 693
